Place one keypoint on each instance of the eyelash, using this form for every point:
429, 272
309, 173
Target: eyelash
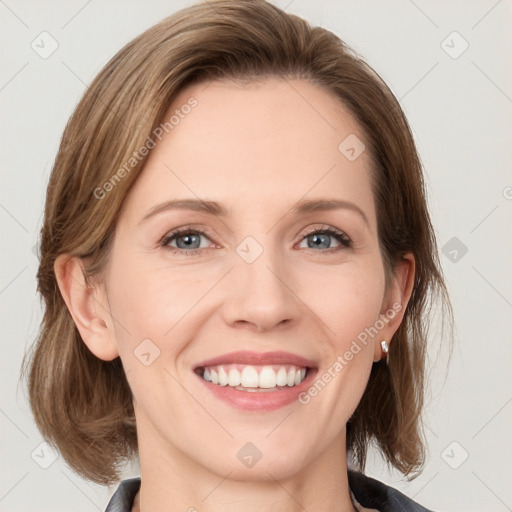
340, 236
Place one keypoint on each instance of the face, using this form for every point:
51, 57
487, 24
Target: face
265, 267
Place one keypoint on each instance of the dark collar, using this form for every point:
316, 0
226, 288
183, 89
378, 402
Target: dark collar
122, 500
369, 493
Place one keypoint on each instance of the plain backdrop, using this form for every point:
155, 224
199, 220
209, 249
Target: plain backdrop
449, 65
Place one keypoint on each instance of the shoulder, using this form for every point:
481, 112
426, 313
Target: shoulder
122, 500
374, 494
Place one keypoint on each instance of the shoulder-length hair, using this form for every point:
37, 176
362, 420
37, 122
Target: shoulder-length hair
83, 405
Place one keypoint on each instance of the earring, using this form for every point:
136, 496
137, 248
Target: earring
385, 349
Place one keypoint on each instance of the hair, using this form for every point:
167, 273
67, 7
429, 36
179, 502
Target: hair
83, 405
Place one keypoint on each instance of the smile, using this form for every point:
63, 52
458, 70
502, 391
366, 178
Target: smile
254, 378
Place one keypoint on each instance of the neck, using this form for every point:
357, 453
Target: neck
171, 480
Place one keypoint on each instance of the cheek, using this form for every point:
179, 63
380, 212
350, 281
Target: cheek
152, 300
347, 298
349, 305
160, 308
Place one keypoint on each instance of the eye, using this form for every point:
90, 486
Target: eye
185, 239
323, 238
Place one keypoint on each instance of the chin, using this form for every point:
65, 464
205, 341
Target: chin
256, 457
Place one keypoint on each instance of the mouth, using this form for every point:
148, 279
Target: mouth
256, 372
254, 378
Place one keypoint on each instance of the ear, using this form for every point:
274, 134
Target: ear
395, 303
88, 306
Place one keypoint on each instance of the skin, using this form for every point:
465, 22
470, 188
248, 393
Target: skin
257, 149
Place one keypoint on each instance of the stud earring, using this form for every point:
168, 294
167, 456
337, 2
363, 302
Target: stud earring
385, 349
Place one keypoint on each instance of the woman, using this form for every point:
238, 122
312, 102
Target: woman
237, 262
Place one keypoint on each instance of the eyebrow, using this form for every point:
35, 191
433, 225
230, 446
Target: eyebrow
214, 208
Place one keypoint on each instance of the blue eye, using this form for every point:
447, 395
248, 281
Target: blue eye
323, 238
188, 241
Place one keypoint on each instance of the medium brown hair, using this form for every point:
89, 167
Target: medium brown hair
83, 405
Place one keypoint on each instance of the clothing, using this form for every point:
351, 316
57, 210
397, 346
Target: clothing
368, 492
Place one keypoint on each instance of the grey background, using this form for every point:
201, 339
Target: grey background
459, 106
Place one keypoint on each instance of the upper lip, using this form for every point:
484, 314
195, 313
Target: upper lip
258, 358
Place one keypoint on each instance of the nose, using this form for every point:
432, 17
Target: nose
260, 295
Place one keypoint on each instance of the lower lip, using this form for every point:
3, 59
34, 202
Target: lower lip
260, 401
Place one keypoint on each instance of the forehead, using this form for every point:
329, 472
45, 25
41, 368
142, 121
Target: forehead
269, 143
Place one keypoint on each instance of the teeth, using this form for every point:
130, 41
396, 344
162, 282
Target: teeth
234, 377
265, 377
249, 377
268, 378
282, 377
291, 377
223, 377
